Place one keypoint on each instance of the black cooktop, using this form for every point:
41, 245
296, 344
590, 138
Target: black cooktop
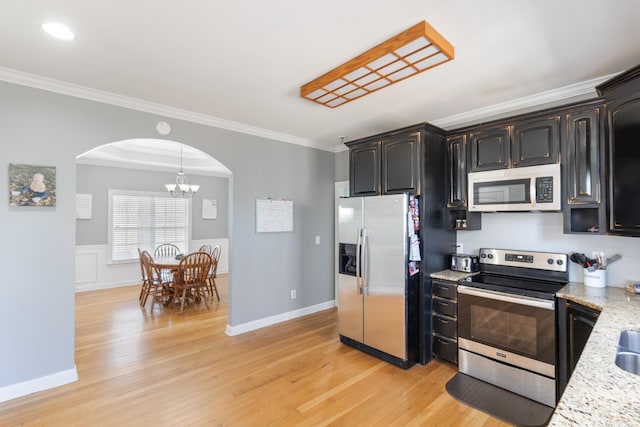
535, 288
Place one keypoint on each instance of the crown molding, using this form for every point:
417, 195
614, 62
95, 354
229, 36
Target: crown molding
582, 89
52, 85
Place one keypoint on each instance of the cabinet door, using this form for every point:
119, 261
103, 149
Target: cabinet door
400, 164
581, 157
624, 155
490, 149
457, 171
536, 142
364, 169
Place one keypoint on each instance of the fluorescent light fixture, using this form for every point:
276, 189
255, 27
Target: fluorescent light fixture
58, 30
409, 53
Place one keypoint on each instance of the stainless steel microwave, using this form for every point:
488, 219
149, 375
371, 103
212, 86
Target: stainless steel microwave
532, 188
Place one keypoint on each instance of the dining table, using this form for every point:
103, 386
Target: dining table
169, 264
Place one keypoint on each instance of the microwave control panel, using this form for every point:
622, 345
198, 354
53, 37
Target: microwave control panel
544, 189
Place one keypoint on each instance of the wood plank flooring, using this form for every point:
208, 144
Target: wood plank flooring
142, 368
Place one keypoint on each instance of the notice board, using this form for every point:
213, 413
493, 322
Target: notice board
274, 215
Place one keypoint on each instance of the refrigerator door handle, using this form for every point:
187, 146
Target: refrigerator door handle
365, 250
359, 261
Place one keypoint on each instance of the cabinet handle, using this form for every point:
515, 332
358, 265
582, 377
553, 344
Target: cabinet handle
443, 303
442, 320
443, 342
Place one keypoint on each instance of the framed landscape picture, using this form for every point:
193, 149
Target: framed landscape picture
31, 185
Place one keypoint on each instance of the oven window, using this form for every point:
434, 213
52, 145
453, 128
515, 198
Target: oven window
510, 331
501, 192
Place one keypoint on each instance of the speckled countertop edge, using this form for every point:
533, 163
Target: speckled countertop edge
451, 275
599, 393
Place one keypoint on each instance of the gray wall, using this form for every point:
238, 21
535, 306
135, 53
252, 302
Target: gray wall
44, 128
543, 232
98, 180
342, 166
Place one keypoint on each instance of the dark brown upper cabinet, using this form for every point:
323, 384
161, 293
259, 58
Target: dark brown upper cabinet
364, 169
583, 170
386, 164
536, 142
490, 149
622, 103
401, 164
457, 171
581, 157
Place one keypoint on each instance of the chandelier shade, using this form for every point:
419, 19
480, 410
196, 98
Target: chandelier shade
182, 188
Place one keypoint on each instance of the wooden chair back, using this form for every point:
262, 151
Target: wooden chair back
166, 249
194, 269
148, 271
206, 248
215, 256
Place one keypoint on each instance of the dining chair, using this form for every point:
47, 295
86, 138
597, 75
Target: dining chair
191, 276
166, 249
152, 283
213, 272
206, 248
142, 277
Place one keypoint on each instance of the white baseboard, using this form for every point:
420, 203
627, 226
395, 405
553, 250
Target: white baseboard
38, 384
272, 320
103, 285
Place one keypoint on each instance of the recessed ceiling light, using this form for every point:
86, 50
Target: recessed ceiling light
57, 30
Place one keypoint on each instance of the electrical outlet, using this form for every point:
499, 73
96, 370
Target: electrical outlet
317, 240
459, 248
293, 294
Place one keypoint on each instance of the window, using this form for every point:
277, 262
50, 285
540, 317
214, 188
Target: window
145, 220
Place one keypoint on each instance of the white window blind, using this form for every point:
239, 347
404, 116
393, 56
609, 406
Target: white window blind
146, 220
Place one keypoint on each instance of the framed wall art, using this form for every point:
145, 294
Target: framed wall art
32, 185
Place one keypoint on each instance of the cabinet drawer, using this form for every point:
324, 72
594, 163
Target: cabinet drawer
445, 348
445, 289
445, 326
445, 306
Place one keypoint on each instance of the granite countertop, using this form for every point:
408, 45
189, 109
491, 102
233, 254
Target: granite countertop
599, 393
451, 275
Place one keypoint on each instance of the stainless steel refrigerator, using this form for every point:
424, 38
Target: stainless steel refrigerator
378, 258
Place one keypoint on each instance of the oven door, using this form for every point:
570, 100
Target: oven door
513, 329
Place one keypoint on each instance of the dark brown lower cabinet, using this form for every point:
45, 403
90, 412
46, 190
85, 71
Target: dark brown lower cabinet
575, 323
445, 320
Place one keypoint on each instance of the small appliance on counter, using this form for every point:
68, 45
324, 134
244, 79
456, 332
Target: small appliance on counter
464, 263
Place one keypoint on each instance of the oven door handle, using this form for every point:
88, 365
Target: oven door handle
501, 296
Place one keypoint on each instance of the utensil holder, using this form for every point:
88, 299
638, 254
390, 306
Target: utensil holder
595, 279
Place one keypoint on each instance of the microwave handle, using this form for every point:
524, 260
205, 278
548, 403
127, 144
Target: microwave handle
532, 192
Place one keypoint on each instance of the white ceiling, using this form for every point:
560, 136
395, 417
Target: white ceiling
240, 64
154, 154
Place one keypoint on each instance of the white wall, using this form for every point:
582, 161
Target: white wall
539, 231
93, 270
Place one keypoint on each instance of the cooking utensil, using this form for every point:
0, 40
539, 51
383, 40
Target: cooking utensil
613, 258
580, 259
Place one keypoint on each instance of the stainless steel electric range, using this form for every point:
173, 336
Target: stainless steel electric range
507, 321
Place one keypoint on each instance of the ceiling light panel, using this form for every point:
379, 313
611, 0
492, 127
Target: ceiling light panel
59, 31
415, 50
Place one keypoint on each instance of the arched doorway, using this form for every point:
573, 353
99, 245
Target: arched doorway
144, 165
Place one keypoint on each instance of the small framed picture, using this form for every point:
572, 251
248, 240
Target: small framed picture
31, 185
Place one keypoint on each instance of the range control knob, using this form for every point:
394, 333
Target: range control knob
559, 262
550, 261
483, 255
490, 256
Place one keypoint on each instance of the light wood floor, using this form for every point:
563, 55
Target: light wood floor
143, 368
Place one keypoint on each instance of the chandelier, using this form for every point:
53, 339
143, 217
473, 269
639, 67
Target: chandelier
182, 188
